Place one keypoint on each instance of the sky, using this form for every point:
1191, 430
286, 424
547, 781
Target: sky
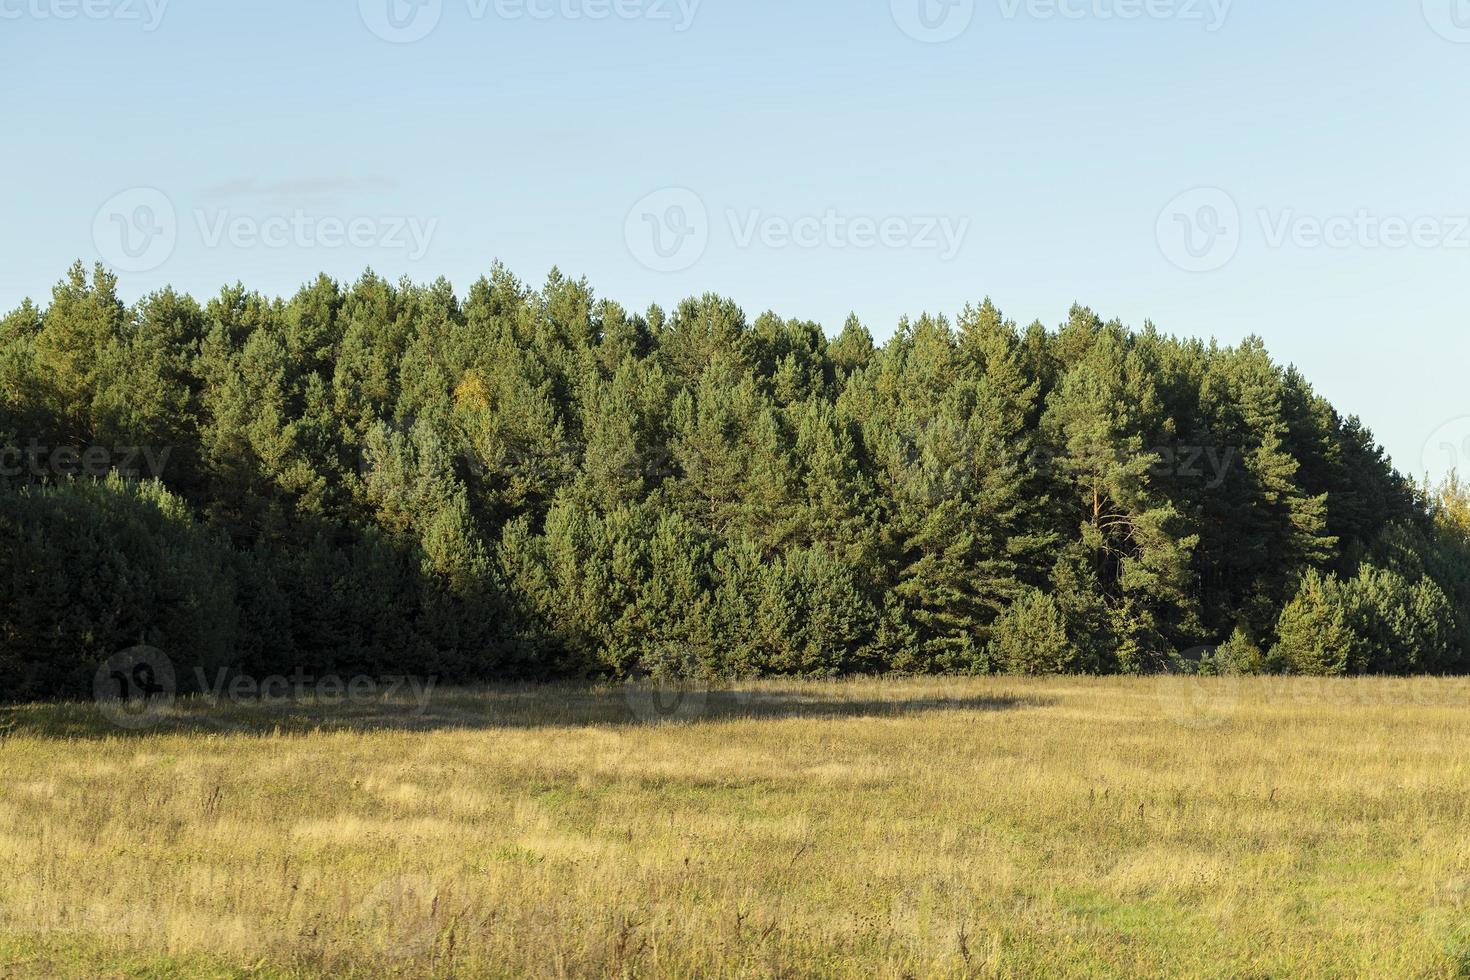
1295, 170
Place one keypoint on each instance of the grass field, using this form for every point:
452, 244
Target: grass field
965, 828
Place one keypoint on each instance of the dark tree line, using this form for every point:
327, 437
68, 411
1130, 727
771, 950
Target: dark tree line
526, 484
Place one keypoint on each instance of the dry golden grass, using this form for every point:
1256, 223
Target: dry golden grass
991, 827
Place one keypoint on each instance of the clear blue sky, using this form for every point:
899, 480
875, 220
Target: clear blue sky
1054, 132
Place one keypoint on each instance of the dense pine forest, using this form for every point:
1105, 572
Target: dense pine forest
523, 483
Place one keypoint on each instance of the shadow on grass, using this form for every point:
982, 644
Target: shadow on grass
488, 708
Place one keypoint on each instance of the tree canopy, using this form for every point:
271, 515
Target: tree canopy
529, 483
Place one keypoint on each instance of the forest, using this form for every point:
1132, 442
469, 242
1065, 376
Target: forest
531, 484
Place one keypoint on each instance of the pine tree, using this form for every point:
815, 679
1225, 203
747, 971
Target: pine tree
84, 318
1138, 549
1319, 631
535, 483
1031, 638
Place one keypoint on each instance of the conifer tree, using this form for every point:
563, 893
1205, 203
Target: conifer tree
532, 482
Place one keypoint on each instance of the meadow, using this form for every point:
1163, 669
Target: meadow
985, 827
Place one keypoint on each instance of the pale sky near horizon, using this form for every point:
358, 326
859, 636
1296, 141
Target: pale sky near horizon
1295, 170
